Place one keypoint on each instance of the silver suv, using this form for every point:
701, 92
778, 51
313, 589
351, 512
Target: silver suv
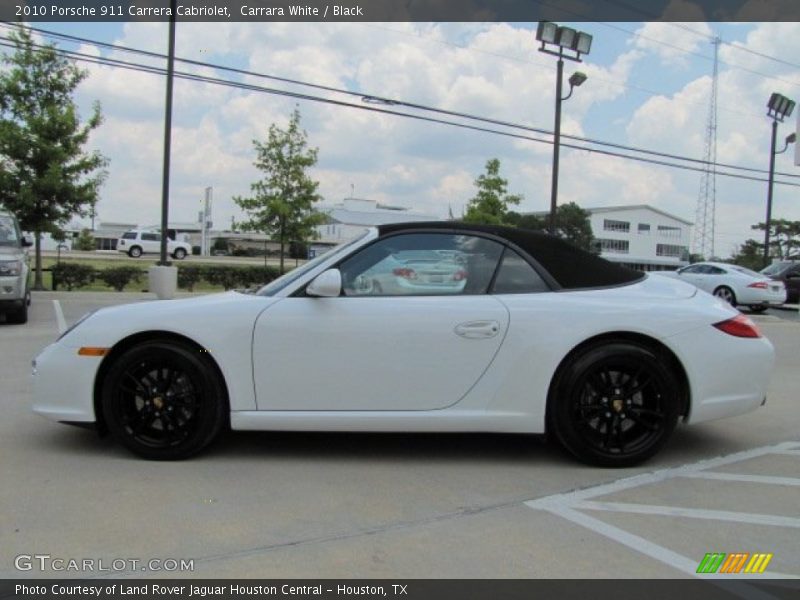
15, 290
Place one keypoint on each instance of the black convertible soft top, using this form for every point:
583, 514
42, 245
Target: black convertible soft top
569, 266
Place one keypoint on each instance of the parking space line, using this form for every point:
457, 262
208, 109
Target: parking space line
691, 513
743, 478
569, 506
62, 323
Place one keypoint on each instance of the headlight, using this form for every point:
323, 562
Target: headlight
10, 268
78, 322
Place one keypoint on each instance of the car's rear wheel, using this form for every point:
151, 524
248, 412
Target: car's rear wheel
758, 308
135, 252
163, 400
179, 254
614, 405
725, 293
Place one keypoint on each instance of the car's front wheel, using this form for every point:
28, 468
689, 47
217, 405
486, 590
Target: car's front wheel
164, 400
179, 254
20, 315
614, 405
758, 308
135, 252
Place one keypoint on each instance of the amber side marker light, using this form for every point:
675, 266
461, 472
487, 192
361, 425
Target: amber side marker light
739, 326
91, 351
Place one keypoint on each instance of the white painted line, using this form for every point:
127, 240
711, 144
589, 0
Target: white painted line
789, 452
743, 478
659, 553
571, 498
691, 513
62, 323
677, 561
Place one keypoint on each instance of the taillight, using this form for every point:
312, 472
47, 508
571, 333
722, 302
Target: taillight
761, 285
405, 273
460, 275
739, 326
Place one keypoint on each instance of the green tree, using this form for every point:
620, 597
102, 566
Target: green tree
282, 204
784, 238
85, 241
572, 224
46, 174
490, 204
750, 255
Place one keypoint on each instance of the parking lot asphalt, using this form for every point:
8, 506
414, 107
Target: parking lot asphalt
394, 505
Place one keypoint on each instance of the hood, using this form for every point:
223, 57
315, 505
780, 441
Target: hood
11, 252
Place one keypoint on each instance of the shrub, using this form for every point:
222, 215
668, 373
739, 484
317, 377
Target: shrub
72, 275
189, 276
257, 276
227, 277
119, 277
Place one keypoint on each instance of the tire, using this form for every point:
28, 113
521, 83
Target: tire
725, 293
20, 315
163, 400
179, 254
135, 252
614, 405
759, 308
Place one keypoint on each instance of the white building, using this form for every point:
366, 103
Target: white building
352, 216
641, 237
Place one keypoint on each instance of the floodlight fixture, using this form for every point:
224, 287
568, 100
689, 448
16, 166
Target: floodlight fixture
575, 42
577, 79
779, 107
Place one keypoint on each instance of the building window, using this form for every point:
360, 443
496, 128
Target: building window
670, 250
620, 226
614, 246
644, 228
669, 231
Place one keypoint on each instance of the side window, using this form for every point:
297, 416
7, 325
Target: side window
716, 271
516, 276
151, 237
422, 264
129, 235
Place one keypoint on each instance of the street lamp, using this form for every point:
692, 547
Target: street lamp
571, 45
778, 108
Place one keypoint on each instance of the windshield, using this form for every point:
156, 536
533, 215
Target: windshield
8, 231
775, 268
281, 282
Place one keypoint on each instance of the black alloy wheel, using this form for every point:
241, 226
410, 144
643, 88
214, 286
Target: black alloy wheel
164, 400
615, 405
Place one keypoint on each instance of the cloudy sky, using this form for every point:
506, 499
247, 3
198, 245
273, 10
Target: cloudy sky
648, 86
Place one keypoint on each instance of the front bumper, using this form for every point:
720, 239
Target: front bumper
12, 291
63, 384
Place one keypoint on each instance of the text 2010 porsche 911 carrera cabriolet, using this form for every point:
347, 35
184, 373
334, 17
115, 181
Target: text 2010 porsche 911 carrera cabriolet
417, 327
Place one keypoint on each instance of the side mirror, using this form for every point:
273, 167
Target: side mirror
27, 242
327, 284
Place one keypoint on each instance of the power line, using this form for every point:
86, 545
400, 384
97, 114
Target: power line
300, 96
388, 101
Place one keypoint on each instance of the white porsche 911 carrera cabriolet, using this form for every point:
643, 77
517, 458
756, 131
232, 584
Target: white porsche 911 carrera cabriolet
531, 336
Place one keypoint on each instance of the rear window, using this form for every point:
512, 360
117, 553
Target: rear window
129, 235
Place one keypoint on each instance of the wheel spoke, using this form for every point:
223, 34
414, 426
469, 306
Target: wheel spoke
630, 393
647, 425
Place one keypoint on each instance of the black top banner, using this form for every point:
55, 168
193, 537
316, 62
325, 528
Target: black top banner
400, 10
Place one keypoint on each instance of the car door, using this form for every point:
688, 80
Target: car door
394, 339
151, 242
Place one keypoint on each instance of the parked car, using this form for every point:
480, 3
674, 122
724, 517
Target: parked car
541, 338
136, 242
15, 290
736, 285
787, 271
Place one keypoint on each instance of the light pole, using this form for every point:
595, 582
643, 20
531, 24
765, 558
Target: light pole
576, 43
778, 108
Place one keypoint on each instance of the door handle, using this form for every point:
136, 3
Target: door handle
478, 329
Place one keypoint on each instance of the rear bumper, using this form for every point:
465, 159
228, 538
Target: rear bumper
728, 376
